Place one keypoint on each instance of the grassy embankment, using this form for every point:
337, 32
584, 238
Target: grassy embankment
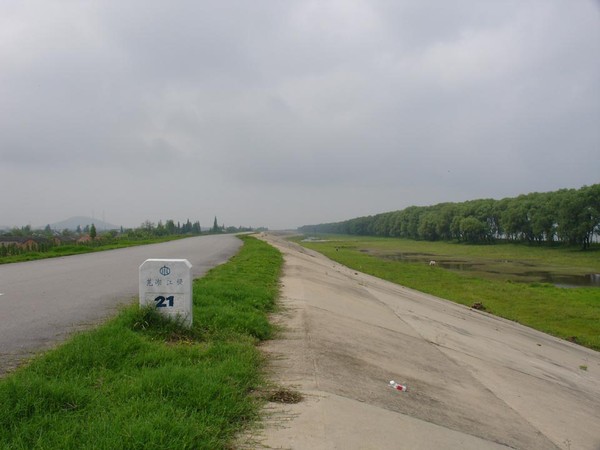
572, 314
140, 382
76, 249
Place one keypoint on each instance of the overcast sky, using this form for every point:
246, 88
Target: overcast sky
284, 113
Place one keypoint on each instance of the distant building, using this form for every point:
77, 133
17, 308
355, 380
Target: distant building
84, 239
27, 243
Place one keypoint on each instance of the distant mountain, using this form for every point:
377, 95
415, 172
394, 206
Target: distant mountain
74, 222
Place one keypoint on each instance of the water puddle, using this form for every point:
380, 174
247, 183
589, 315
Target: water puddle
568, 281
508, 270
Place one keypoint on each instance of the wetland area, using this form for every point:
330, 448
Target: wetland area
503, 269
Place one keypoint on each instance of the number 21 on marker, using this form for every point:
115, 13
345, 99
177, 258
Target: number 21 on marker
161, 301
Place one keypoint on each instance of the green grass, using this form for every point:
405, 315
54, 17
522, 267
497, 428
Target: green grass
572, 314
142, 382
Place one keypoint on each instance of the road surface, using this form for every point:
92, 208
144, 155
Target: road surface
43, 301
475, 381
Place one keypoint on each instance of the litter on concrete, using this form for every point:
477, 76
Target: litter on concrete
398, 386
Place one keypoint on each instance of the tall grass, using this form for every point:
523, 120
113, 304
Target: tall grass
143, 382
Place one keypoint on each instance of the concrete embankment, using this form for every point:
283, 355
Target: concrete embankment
474, 381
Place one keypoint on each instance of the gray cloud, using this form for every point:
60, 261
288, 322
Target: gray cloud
284, 113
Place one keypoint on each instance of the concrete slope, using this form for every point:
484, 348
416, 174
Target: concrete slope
474, 381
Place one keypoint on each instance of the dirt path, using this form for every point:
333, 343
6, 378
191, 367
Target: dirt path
474, 381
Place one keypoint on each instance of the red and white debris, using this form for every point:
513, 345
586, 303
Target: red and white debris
398, 386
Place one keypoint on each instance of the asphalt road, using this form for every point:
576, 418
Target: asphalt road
42, 302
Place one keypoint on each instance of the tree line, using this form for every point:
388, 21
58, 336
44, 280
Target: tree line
567, 216
22, 240
145, 230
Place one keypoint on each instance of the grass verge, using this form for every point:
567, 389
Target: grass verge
78, 249
572, 314
142, 382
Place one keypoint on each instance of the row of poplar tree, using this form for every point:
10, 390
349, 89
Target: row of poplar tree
569, 216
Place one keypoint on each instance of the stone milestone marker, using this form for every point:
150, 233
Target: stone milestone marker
167, 285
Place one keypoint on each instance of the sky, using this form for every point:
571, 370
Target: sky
282, 113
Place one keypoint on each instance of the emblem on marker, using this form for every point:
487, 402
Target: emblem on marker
164, 271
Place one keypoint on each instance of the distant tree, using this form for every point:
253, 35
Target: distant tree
23, 231
160, 229
93, 231
110, 234
215, 228
472, 230
579, 215
170, 227
428, 226
78, 230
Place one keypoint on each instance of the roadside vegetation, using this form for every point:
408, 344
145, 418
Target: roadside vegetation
143, 382
569, 313
565, 217
102, 243
26, 244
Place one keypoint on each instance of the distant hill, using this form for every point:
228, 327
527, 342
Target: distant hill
73, 222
